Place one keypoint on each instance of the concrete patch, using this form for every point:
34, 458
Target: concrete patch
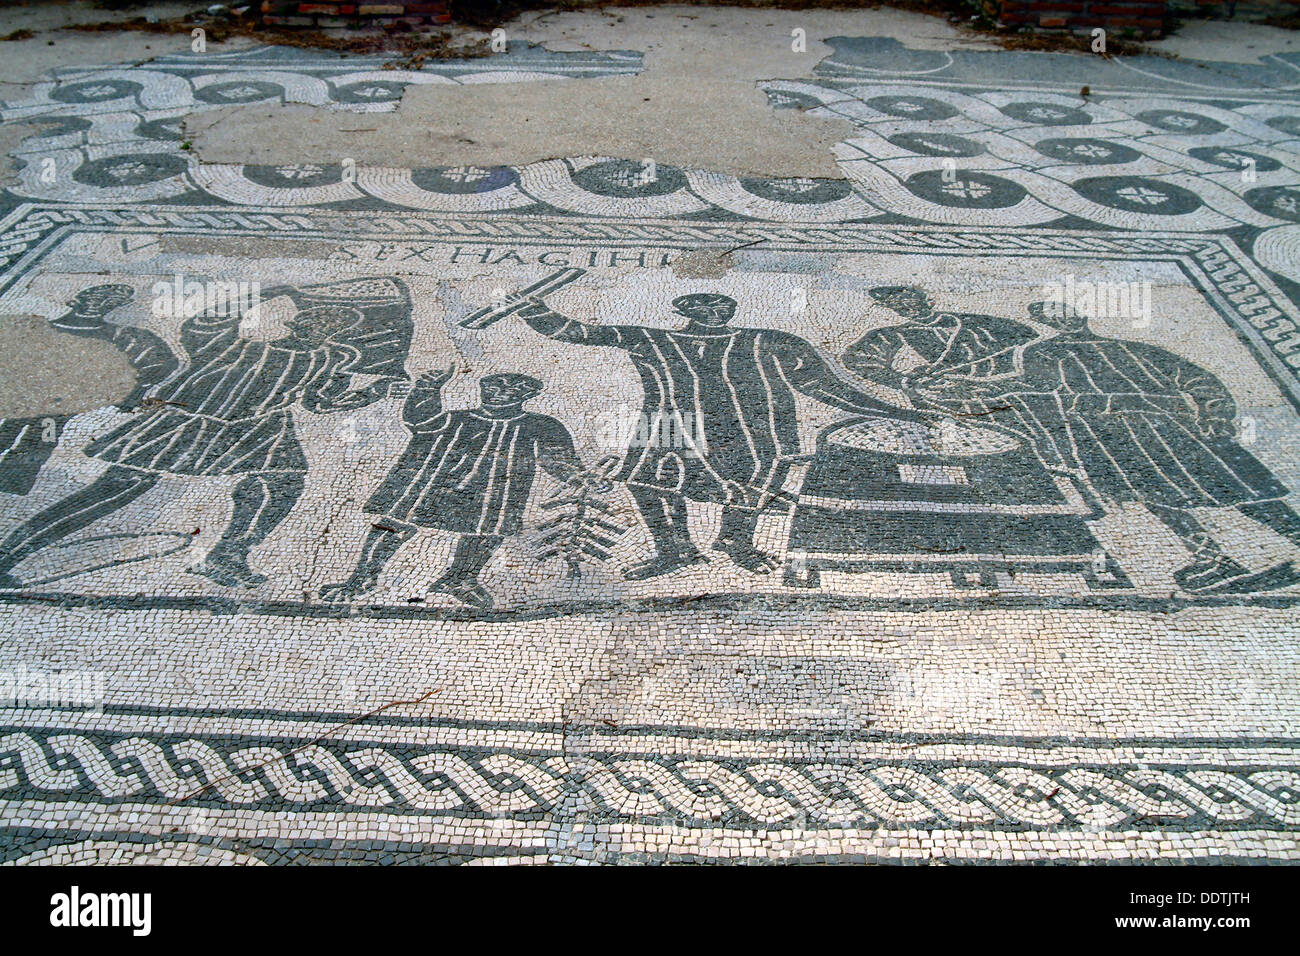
701, 264
719, 121
47, 372
725, 126
10, 136
242, 246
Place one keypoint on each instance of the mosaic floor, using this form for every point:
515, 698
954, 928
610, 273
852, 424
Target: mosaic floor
590, 512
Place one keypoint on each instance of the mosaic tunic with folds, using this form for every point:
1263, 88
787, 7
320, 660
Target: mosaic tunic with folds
1143, 424
733, 390
470, 472
230, 412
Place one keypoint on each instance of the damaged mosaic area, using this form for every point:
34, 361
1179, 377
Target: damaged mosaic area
584, 513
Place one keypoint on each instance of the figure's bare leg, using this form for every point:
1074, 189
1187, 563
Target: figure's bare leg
665, 517
1210, 567
112, 490
1280, 517
736, 540
460, 580
382, 542
262, 501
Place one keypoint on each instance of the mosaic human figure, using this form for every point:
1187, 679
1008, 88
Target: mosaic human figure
467, 470
911, 356
25, 445
1147, 426
230, 413
736, 386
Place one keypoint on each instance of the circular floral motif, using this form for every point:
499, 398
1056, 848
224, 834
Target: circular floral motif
1089, 152
1287, 124
798, 190
1176, 121
58, 126
1135, 194
1231, 158
464, 179
964, 188
163, 129
95, 91
1047, 114
937, 144
242, 91
369, 91
791, 100
913, 107
135, 169
625, 179
1281, 202
294, 175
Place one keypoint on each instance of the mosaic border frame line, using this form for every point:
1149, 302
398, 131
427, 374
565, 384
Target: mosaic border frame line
650, 776
1258, 312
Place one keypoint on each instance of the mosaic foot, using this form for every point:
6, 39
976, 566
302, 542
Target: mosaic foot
230, 574
1279, 576
1212, 572
663, 564
345, 591
467, 591
749, 558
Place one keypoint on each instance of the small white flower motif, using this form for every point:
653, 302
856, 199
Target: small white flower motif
907, 107
466, 174
1091, 150
967, 189
1045, 113
1142, 195
239, 93
299, 171
632, 177
1287, 202
129, 170
99, 92
1228, 158
376, 93
793, 187
1182, 122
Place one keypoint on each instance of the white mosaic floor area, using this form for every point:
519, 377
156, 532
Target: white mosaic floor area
390, 565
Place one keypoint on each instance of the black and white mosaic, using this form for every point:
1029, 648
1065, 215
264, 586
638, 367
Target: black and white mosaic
950, 516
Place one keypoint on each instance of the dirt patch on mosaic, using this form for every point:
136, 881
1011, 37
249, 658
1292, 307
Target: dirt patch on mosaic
47, 372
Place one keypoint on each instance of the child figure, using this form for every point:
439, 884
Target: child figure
467, 470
